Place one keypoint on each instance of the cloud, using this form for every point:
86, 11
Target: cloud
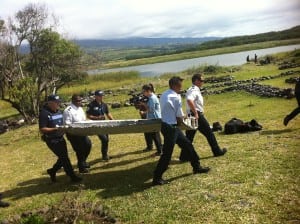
166, 18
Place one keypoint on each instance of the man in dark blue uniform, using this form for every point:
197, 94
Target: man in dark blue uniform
97, 110
50, 117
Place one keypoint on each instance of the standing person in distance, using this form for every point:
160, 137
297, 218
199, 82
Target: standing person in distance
172, 116
195, 107
152, 112
81, 144
50, 116
97, 110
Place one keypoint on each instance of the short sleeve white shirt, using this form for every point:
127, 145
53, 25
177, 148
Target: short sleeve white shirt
73, 114
194, 94
171, 107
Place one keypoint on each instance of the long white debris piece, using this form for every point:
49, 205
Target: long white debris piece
119, 126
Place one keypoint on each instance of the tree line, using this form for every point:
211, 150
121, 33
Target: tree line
26, 79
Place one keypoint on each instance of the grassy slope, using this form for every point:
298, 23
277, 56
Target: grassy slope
6, 110
256, 182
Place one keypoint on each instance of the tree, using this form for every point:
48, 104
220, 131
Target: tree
52, 61
55, 63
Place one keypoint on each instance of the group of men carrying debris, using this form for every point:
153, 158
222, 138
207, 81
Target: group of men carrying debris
169, 110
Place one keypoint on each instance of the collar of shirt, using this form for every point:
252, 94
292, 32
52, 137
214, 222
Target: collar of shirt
74, 106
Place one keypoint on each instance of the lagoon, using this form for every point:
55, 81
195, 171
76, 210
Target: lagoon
239, 58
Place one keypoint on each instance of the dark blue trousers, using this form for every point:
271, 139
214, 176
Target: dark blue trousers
173, 135
59, 148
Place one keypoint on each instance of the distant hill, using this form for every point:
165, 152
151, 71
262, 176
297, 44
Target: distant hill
291, 33
140, 42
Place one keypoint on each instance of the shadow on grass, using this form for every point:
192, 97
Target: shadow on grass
111, 184
95, 161
177, 161
112, 164
277, 132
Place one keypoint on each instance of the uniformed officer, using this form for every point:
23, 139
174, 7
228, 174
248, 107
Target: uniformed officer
50, 117
172, 116
195, 107
81, 144
97, 110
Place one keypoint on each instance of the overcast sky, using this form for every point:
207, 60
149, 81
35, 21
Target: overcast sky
110, 19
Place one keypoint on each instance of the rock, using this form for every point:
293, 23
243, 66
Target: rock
116, 105
4, 221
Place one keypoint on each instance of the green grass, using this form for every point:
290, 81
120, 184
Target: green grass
6, 110
257, 181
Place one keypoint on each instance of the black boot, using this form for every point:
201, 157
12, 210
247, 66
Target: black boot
52, 174
286, 120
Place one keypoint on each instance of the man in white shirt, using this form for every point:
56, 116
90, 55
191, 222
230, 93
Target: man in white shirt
195, 107
172, 116
81, 144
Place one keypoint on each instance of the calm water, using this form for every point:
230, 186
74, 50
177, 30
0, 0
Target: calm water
180, 65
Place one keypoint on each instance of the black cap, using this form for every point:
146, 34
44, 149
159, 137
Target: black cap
53, 98
99, 93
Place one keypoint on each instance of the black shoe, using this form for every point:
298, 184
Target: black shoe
83, 170
75, 179
52, 175
201, 170
159, 182
286, 121
3, 204
147, 149
156, 154
86, 165
105, 158
221, 153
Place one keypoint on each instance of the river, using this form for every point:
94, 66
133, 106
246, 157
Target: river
157, 69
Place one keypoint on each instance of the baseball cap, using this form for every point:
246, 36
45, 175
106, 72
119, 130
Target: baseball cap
53, 98
99, 93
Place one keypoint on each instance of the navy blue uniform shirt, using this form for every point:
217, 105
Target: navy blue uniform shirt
96, 109
50, 119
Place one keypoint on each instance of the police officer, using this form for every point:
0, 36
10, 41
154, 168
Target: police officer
50, 117
81, 144
97, 110
172, 116
195, 107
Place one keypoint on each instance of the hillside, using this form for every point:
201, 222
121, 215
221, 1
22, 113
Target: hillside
98, 56
138, 42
